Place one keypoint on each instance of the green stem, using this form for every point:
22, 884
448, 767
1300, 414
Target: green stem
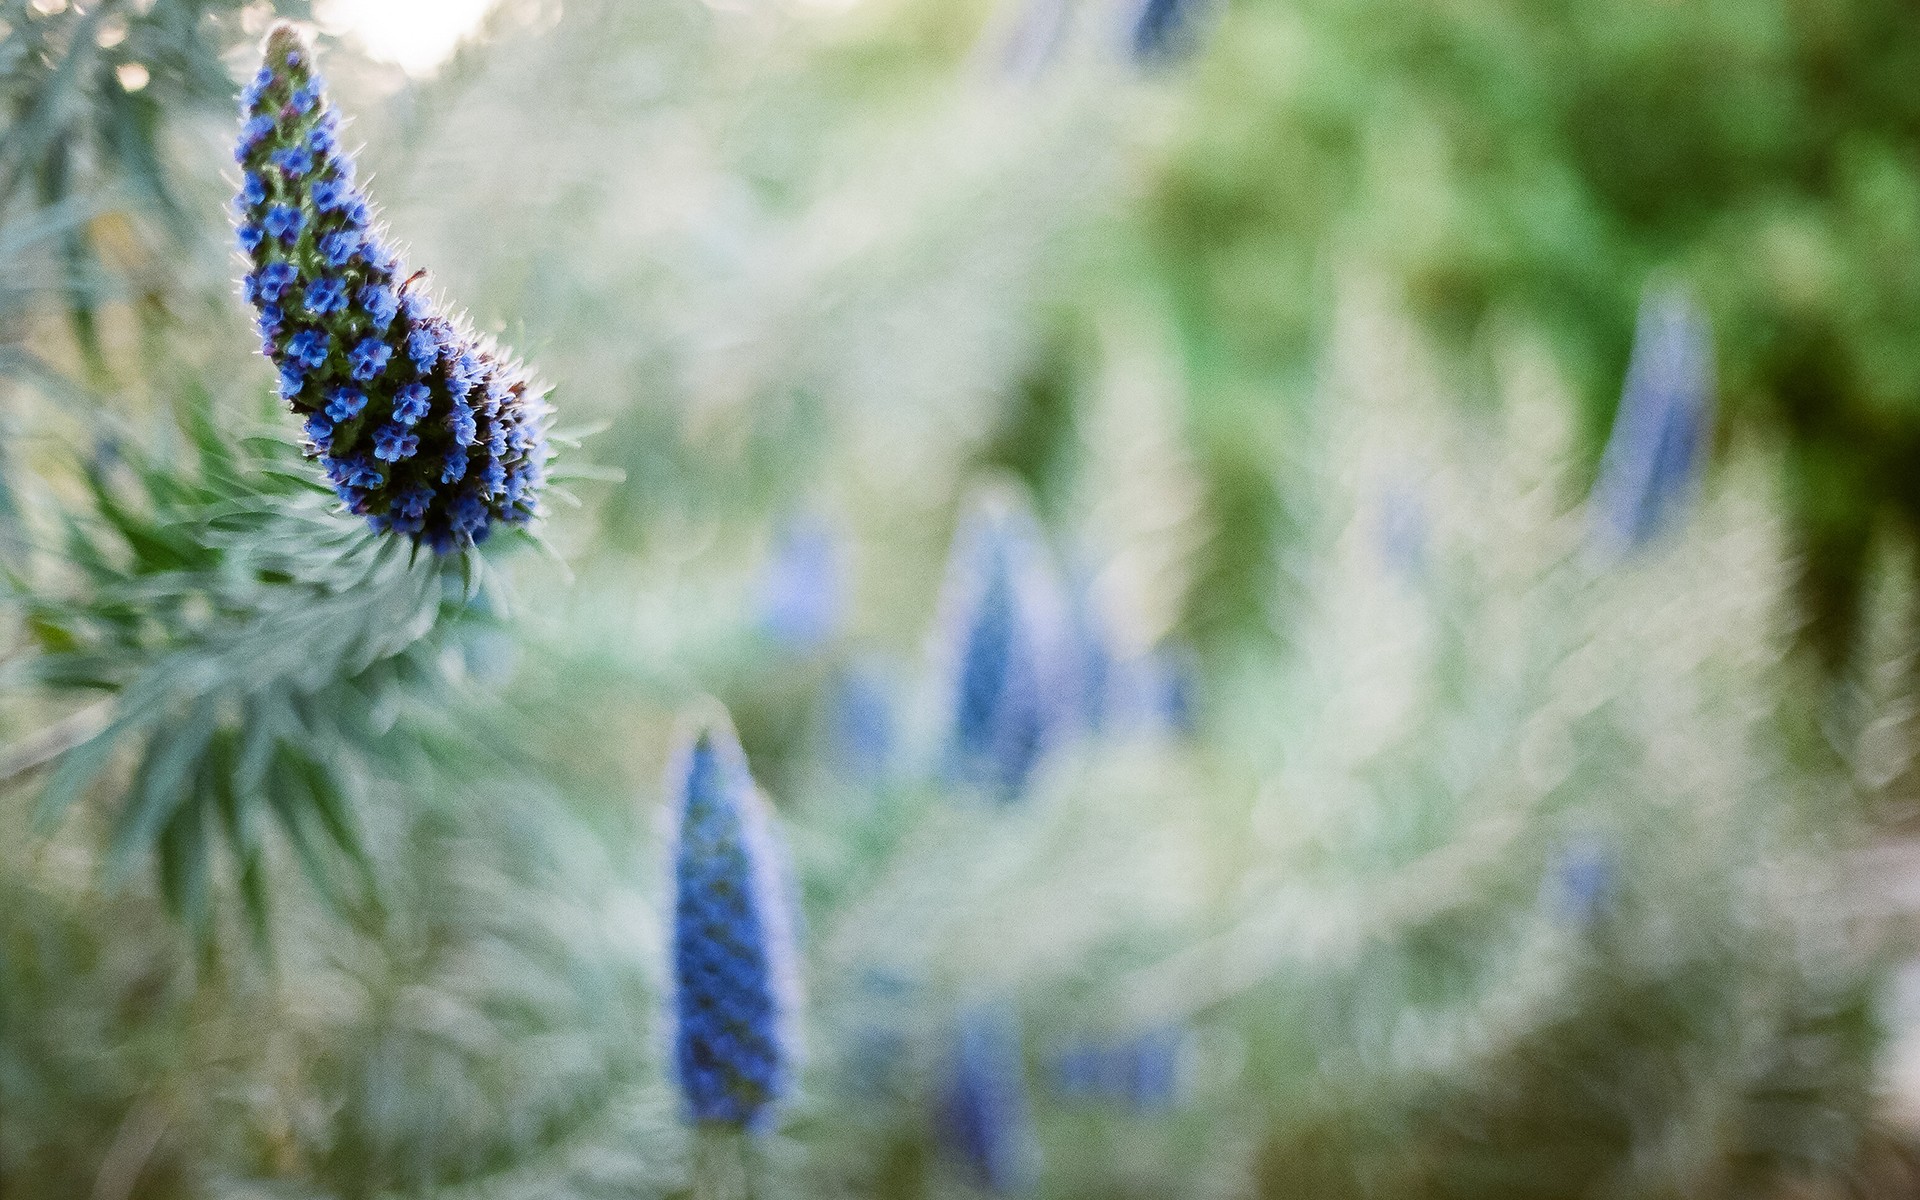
723, 1162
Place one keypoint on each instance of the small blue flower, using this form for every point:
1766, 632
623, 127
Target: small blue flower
522, 479
496, 440
357, 214
327, 295
271, 280
268, 319
454, 468
303, 97
468, 514
369, 358
284, 222
734, 986
319, 432
392, 443
320, 139
252, 134
250, 237
291, 381
365, 475
253, 188
493, 478
345, 403
256, 87
380, 304
332, 194
339, 247
494, 398
410, 404
412, 500
463, 372
293, 160
310, 348
460, 423
423, 347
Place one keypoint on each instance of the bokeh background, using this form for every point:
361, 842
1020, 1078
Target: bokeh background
1461, 457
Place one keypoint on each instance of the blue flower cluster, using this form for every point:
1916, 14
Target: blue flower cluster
1164, 30
1142, 1072
1582, 879
422, 428
734, 986
1660, 432
1012, 693
983, 1120
800, 594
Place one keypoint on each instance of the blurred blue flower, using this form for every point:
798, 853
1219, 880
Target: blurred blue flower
862, 732
1094, 669
1402, 531
982, 1120
1660, 433
1168, 678
734, 984
801, 586
1164, 30
1010, 695
1038, 30
1582, 878
1141, 1072
309, 242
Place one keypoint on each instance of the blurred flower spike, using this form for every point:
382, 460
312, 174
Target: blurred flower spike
983, 1121
801, 589
735, 986
1582, 879
1655, 453
1121, 695
1164, 31
1010, 689
423, 428
863, 726
1142, 1073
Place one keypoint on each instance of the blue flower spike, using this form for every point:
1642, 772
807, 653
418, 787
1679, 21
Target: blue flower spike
802, 586
983, 1120
735, 996
1010, 696
392, 389
1655, 453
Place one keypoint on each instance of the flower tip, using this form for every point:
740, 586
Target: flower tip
286, 37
